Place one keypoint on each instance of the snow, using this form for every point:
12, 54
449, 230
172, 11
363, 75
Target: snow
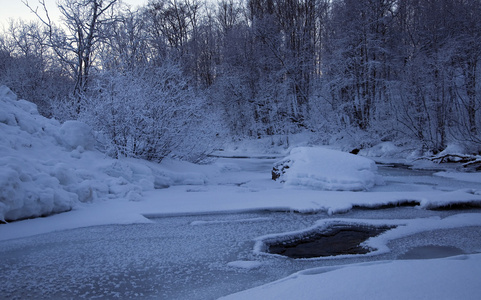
76, 134
453, 149
401, 279
326, 169
47, 167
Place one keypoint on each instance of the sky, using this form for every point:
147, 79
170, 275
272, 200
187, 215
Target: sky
15, 9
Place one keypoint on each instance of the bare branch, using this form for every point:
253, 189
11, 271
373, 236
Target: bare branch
47, 21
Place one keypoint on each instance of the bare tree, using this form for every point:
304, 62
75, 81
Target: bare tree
126, 45
76, 41
29, 67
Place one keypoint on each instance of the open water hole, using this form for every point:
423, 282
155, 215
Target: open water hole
183, 257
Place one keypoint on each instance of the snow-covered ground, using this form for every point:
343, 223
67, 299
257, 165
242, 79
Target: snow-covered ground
450, 278
47, 167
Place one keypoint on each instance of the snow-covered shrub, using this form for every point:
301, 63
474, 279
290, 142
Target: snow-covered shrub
326, 169
148, 113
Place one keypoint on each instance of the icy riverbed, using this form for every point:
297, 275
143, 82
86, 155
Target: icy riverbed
188, 252
185, 257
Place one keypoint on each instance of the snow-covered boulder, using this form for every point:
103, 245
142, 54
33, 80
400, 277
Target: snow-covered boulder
326, 169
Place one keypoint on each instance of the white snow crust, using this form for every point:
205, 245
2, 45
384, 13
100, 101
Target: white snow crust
327, 169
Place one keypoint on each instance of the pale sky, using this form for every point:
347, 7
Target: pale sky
15, 9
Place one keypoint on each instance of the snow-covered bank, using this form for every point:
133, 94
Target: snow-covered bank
188, 200
449, 278
47, 167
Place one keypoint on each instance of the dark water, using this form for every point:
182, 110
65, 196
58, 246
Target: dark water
338, 239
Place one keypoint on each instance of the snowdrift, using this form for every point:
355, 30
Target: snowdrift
326, 169
47, 167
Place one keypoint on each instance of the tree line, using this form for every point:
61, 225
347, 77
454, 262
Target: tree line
168, 77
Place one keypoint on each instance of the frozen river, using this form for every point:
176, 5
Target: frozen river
202, 256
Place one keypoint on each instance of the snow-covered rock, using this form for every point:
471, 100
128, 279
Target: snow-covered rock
326, 169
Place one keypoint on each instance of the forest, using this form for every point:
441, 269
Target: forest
175, 77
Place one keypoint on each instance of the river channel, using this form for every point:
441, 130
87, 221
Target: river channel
200, 256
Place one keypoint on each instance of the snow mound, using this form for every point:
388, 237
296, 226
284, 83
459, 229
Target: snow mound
325, 169
27, 187
47, 167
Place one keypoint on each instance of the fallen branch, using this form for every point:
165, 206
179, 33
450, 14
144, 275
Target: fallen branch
452, 158
474, 165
